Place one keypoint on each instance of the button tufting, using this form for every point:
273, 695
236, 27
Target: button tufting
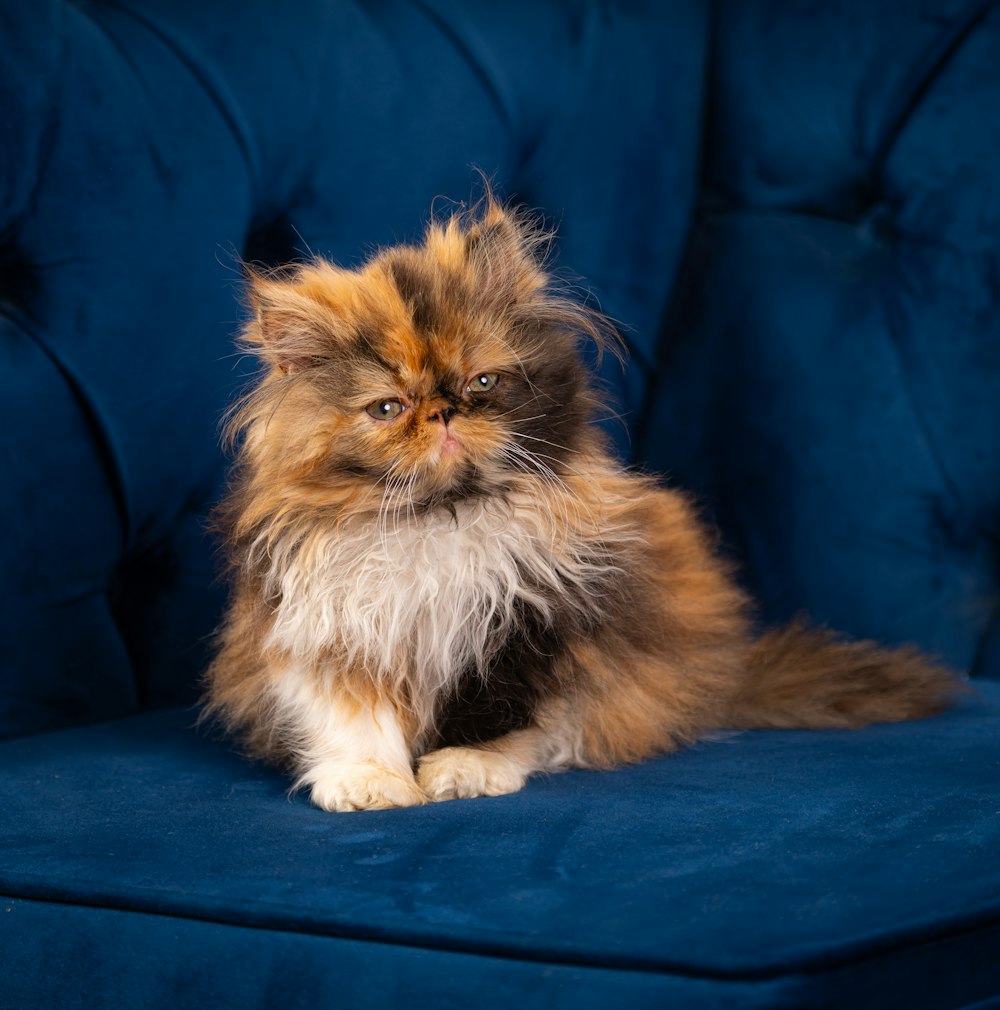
18, 278
875, 223
274, 243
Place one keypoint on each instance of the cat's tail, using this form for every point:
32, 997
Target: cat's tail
812, 678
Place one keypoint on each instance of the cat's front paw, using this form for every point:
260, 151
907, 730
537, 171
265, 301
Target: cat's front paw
463, 772
363, 786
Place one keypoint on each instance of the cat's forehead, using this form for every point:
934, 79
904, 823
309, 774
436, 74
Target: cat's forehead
422, 321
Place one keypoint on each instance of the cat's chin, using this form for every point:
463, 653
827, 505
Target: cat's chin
456, 485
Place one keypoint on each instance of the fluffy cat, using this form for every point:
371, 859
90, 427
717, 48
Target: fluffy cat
441, 580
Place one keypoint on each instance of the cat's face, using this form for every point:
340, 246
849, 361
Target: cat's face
434, 373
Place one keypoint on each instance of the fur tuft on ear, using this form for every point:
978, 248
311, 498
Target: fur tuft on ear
290, 330
509, 251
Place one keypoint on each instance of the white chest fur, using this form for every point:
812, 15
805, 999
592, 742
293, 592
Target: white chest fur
426, 600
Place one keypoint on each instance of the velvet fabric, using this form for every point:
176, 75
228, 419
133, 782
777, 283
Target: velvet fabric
828, 374
792, 210
757, 869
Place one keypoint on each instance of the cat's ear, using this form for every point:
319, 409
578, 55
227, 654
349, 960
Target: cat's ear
506, 253
289, 329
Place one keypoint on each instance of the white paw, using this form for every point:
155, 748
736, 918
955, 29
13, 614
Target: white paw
454, 773
361, 787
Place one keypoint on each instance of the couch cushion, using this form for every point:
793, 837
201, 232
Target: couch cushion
829, 374
759, 869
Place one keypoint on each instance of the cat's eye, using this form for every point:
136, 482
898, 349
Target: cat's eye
483, 383
385, 410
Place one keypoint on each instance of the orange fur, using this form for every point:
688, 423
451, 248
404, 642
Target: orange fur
442, 582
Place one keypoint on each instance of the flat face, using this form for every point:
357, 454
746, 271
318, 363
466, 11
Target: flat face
443, 369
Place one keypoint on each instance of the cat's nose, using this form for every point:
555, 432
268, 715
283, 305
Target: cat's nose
442, 412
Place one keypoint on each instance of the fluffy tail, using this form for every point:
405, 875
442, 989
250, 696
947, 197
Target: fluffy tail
812, 678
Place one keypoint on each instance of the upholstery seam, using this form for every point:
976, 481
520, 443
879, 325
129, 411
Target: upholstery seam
989, 632
989, 921
106, 449
47, 136
469, 58
668, 334
211, 88
893, 328
934, 64
918, 83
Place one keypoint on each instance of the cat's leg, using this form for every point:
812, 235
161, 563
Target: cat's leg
502, 765
350, 747
622, 709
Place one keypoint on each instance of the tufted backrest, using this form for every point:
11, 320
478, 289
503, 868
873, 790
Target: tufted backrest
144, 144
829, 375
823, 370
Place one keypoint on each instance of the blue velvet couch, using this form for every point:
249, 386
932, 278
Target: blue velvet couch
793, 208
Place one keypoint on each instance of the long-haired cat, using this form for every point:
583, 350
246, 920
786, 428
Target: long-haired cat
443, 582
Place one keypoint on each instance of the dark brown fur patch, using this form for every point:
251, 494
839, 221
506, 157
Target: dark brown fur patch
485, 705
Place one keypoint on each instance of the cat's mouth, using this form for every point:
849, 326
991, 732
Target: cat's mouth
454, 475
450, 446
